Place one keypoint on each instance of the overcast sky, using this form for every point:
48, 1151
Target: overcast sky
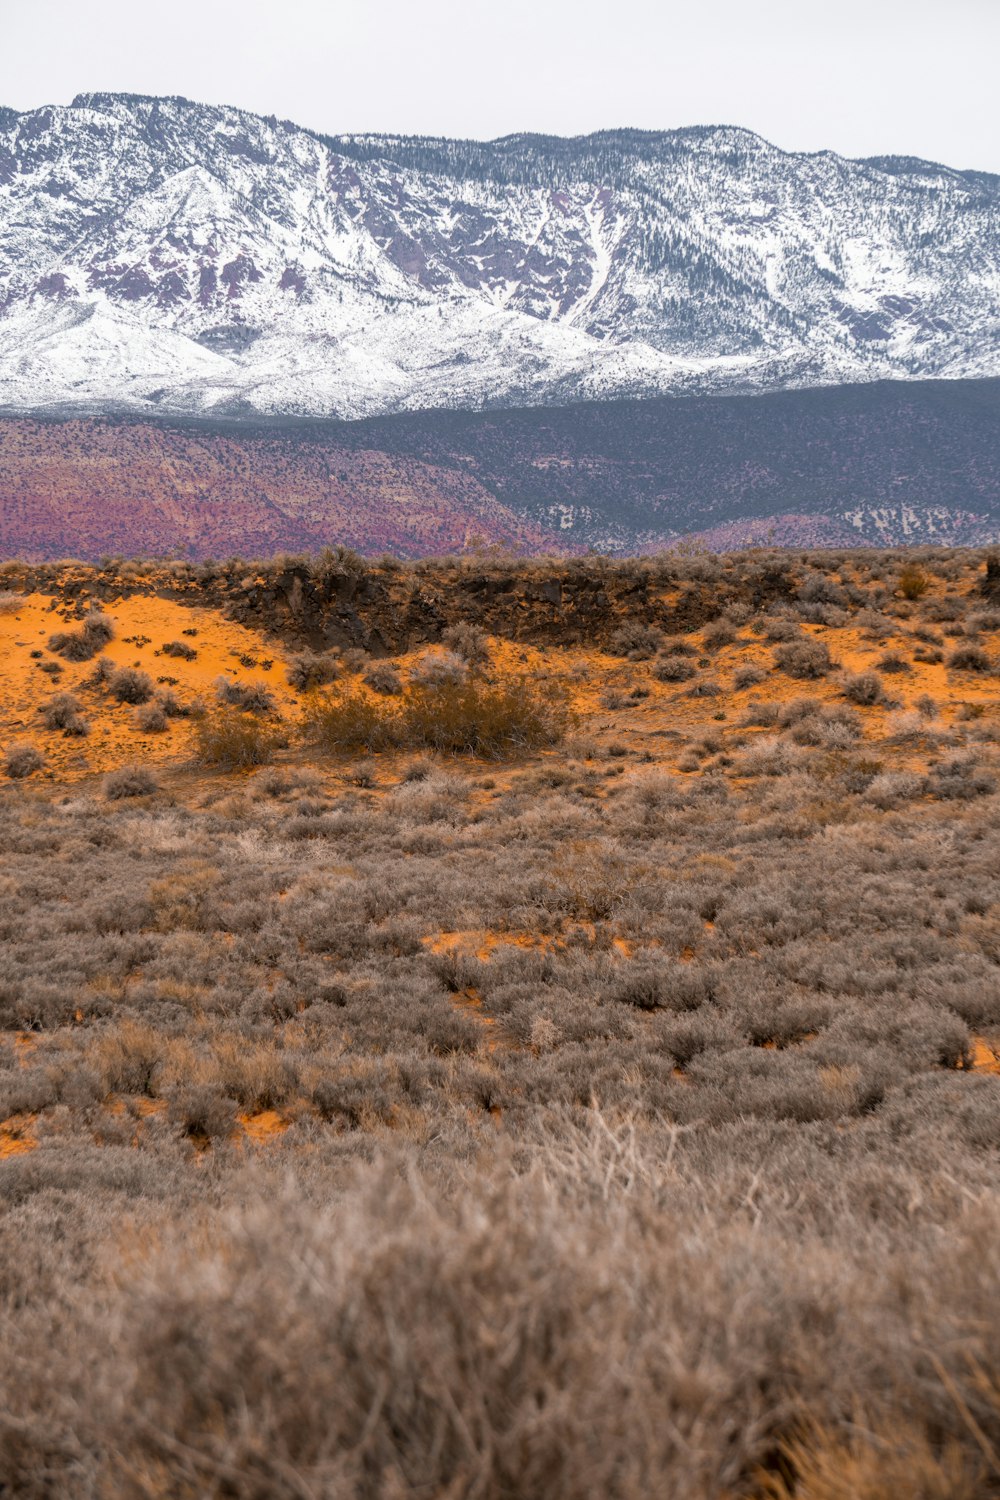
862, 77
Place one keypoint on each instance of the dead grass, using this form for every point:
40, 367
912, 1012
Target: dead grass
615, 1119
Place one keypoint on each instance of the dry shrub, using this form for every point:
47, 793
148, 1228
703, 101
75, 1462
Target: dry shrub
235, 741
129, 781
748, 675
678, 645
913, 582
891, 788
256, 1076
63, 712
769, 756
439, 668
864, 688
720, 633
172, 706
636, 641
970, 659
469, 642
127, 1057
250, 697
351, 719
673, 668
960, 778
781, 628
80, 645
383, 678
474, 716
10, 603
893, 662
491, 719
179, 649
22, 760
129, 685
311, 669
151, 718
805, 658
201, 1113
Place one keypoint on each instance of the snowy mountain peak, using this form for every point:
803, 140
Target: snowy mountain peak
159, 254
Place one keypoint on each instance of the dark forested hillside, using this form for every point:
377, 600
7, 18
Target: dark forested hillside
891, 464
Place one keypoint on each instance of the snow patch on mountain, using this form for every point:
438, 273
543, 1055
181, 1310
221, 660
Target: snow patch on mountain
161, 255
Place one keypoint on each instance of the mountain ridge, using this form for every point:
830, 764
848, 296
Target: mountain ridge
157, 253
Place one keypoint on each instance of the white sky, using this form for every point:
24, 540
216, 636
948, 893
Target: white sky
862, 77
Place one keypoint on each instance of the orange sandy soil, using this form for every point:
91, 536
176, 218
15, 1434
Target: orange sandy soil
654, 728
16, 1136
143, 624
650, 731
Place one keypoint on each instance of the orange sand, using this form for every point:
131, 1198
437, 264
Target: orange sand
16, 1137
264, 1127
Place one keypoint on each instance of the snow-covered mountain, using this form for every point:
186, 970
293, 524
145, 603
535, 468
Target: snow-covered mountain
159, 255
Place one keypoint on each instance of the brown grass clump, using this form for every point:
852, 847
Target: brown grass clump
235, 741
873, 1464
493, 719
913, 582
464, 716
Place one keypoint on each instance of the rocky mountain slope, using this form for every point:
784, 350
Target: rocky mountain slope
159, 255
893, 464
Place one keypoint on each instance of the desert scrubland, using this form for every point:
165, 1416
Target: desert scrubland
492, 1029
